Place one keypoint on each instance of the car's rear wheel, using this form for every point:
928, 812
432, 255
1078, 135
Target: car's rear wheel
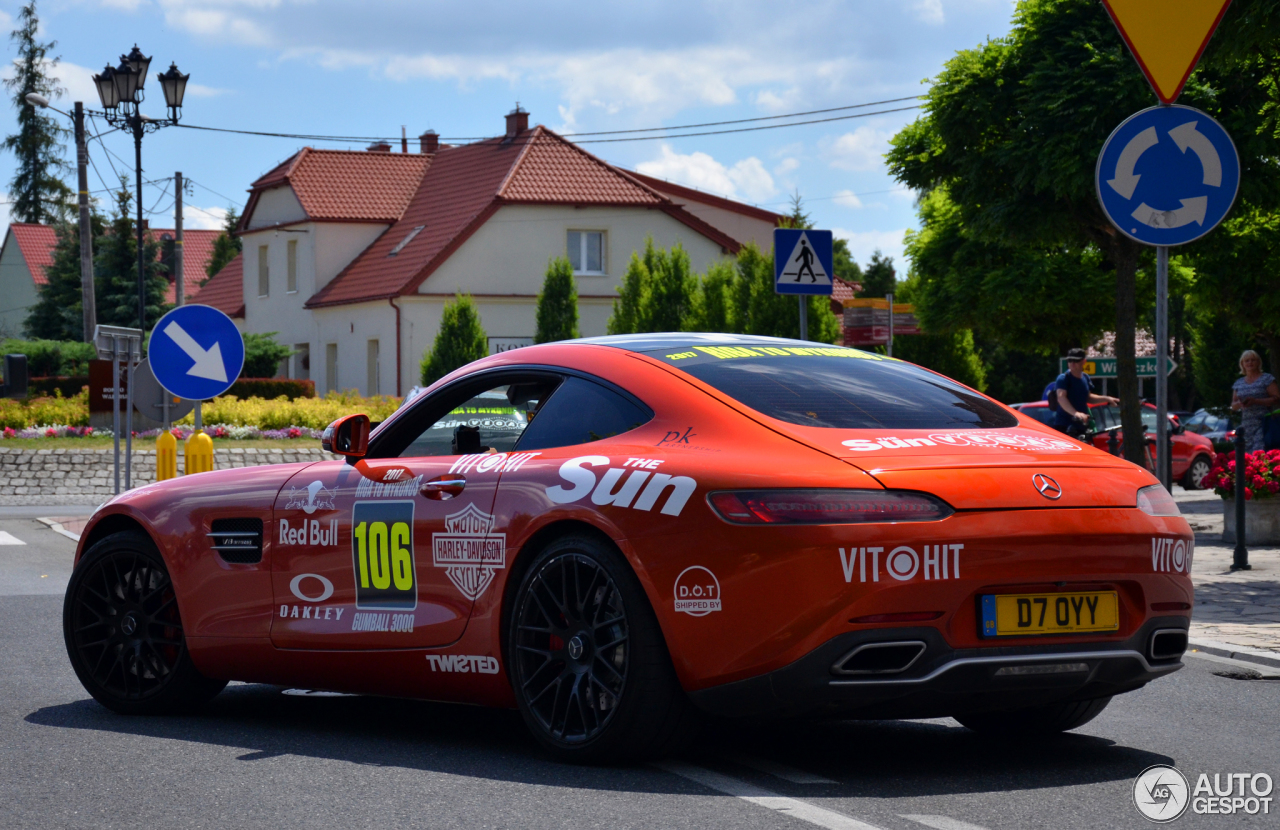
124, 635
1193, 479
587, 660
1037, 720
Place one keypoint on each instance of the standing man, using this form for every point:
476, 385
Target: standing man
1074, 396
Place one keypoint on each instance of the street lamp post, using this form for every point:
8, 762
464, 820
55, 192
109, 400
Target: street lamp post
121, 91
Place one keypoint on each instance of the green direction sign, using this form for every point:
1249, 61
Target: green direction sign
1105, 367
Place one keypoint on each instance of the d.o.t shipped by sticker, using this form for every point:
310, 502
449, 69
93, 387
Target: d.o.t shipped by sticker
697, 592
382, 555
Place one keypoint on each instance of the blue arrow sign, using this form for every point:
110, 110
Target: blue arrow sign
196, 352
1167, 175
802, 261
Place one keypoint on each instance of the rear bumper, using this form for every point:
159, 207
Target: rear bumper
944, 681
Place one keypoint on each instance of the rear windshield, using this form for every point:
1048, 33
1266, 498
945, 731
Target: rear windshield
829, 386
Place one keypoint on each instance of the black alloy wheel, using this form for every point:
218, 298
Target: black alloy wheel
123, 631
587, 661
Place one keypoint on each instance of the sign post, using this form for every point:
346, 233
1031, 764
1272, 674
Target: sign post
1150, 187
802, 265
119, 345
196, 354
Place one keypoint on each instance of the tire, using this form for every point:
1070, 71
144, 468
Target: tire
587, 660
123, 633
1193, 479
1036, 721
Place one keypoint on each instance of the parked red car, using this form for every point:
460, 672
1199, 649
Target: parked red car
1192, 454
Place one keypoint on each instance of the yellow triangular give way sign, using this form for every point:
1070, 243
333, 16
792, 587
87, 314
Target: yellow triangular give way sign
1167, 37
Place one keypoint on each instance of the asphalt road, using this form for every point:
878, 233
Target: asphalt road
262, 758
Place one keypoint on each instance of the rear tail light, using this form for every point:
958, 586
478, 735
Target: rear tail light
1156, 501
823, 507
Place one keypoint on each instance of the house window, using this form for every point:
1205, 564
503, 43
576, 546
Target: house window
264, 272
586, 252
302, 361
292, 271
373, 369
331, 367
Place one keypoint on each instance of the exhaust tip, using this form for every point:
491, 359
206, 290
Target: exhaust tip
880, 658
1168, 644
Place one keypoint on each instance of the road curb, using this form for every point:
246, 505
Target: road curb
1248, 655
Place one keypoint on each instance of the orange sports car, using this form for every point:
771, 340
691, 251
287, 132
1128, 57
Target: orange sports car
613, 534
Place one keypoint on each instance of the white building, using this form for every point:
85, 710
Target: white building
351, 256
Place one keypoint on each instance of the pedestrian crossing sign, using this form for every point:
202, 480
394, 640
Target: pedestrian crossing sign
802, 261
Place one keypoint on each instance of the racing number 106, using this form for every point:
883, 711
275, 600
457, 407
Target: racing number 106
385, 555
382, 555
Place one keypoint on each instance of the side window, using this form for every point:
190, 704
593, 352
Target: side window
579, 412
1149, 418
1112, 417
488, 422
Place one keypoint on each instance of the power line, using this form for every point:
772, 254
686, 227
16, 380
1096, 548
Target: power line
746, 129
572, 136
211, 190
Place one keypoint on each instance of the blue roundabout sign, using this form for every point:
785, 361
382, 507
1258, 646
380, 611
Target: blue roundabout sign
196, 352
1167, 175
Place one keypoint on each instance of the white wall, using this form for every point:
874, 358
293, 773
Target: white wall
509, 253
276, 207
17, 289
742, 228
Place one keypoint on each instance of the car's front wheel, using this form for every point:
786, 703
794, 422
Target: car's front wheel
1194, 477
587, 660
124, 635
1037, 720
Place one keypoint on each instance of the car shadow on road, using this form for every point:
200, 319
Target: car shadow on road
881, 758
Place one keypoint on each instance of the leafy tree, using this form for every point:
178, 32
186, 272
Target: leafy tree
36, 190
1013, 128
558, 303
262, 355
951, 353
461, 339
57, 314
757, 309
843, 263
225, 245
880, 277
712, 303
626, 309
116, 270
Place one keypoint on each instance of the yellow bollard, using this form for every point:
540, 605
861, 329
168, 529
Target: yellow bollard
166, 456
199, 450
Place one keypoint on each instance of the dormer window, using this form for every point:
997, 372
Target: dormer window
407, 239
586, 252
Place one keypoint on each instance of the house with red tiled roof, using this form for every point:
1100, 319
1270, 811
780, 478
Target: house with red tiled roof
352, 255
28, 250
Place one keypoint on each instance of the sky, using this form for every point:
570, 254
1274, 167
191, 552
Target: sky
331, 67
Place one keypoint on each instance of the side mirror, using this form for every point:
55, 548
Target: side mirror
347, 436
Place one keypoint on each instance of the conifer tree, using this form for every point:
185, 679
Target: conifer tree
116, 270
879, 278
627, 308
558, 304
36, 191
461, 339
57, 315
225, 245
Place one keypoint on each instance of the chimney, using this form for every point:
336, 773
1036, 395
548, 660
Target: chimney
429, 141
517, 122
380, 147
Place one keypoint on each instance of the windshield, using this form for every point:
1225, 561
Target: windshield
838, 388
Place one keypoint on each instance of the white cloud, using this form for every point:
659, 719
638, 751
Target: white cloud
6, 20
862, 244
786, 166
203, 218
862, 149
778, 102
746, 179
847, 198
202, 91
123, 5
929, 11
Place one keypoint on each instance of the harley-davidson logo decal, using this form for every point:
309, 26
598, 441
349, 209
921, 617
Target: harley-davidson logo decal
469, 551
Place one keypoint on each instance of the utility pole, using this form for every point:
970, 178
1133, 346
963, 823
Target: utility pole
179, 288
86, 229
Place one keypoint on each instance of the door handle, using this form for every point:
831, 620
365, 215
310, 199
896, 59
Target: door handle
445, 487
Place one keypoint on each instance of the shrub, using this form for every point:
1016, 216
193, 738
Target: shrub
67, 387
262, 355
283, 413
272, 388
557, 315
1261, 473
459, 341
50, 358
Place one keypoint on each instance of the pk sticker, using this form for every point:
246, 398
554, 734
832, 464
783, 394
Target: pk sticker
382, 555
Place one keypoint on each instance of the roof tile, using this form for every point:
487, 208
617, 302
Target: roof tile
350, 185
225, 291
36, 243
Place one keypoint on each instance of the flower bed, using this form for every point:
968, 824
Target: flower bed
230, 432
1261, 473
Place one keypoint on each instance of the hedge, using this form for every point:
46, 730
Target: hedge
47, 387
272, 388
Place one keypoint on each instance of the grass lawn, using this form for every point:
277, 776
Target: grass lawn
290, 444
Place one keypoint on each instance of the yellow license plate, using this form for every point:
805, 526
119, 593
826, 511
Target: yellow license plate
1020, 615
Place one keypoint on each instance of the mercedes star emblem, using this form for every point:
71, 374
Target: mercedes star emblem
1046, 486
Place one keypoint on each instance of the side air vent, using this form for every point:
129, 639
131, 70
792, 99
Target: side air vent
1168, 643
880, 658
238, 541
